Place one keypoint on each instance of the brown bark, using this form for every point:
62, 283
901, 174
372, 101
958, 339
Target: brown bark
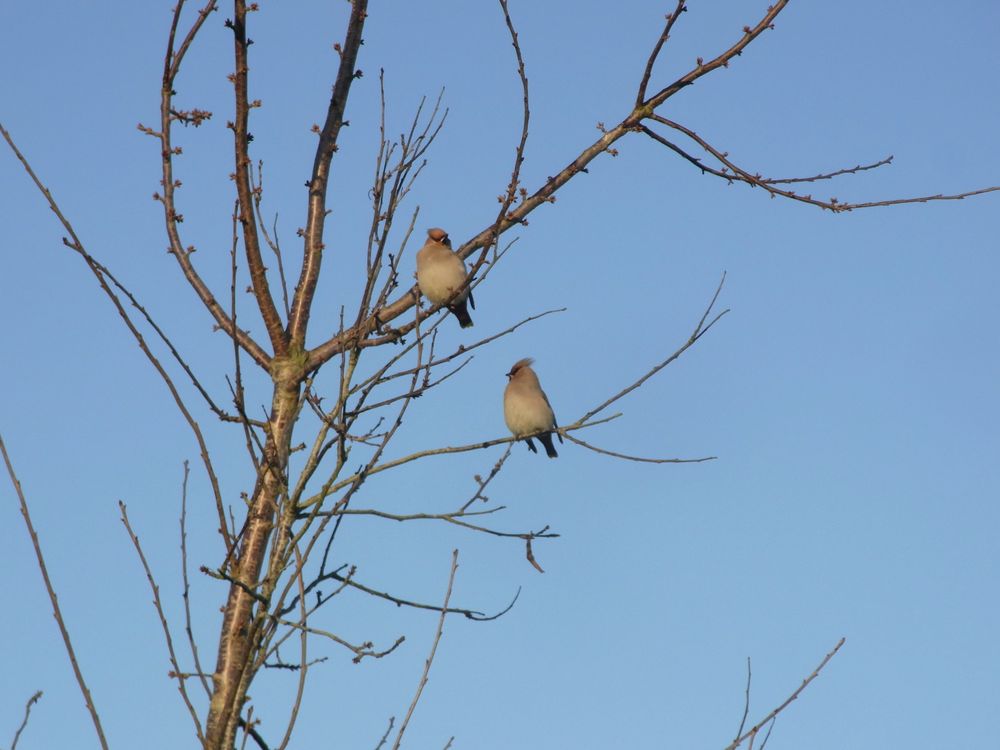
238, 639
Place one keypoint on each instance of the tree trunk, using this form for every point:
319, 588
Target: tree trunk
237, 640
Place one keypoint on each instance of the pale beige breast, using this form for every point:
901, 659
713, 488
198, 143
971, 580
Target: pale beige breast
525, 409
439, 273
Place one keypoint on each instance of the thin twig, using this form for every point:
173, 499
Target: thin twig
746, 704
186, 595
700, 330
430, 658
24, 722
798, 691
733, 172
154, 587
56, 611
639, 459
102, 274
385, 737
640, 98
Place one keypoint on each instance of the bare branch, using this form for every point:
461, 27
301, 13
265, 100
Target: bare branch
157, 604
102, 275
171, 69
303, 654
272, 242
187, 587
720, 61
56, 611
638, 459
452, 518
316, 217
746, 704
385, 737
242, 168
654, 55
734, 173
489, 478
752, 732
24, 722
700, 330
430, 658
830, 175
470, 614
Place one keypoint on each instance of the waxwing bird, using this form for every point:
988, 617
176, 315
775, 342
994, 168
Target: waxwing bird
526, 408
440, 273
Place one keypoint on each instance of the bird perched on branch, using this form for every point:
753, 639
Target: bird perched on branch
526, 408
440, 273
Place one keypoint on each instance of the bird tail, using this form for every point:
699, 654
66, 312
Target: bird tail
550, 449
461, 311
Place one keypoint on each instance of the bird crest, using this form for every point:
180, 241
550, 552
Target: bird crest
520, 365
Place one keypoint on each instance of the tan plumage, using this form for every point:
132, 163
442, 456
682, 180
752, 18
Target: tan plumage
526, 408
440, 273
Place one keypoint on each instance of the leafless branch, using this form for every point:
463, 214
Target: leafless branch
638, 459
157, 604
385, 737
303, 654
654, 55
242, 167
700, 330
272, 242
24, 722
171, 69
830, 175
316, 217
478, 495
752, 732
734, 173
102, 275
746, 704
186, 595
430, 657
470, 614
56, 611
452, 518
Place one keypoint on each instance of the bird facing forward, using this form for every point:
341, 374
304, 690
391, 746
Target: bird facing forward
526, 408
440, 273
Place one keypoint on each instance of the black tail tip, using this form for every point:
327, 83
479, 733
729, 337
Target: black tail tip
462, 315
550, 449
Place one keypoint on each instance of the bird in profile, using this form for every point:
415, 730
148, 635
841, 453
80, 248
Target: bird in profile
526, 408
440, 273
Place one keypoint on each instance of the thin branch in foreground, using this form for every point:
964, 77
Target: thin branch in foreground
639, 459
430, 657
163, 622
752, 732
385, 737
56, 611
102, 274
746, 704
700, 330
24, 722
489, 478
732, 172
470, 614
186, 595
654, 55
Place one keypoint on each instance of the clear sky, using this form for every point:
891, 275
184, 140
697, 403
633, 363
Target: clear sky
851, 395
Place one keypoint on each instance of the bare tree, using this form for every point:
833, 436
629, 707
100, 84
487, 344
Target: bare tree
313, 450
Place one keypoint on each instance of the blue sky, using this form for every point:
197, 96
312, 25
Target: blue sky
850, 395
